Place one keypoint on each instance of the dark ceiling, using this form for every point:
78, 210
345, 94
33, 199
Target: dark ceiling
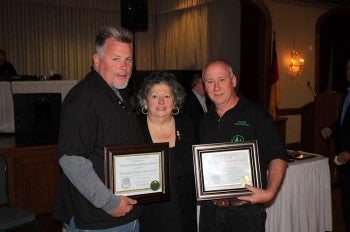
340, 2
319, 3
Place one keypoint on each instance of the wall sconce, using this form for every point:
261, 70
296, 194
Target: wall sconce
296, 63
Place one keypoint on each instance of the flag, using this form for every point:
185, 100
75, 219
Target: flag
275, 84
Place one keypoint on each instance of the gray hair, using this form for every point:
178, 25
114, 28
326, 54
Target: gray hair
162, 78
119, 34
220, 61
195, 79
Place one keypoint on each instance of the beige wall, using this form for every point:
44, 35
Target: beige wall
295, 26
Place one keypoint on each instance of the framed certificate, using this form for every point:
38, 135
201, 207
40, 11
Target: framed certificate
138, 171
223, 169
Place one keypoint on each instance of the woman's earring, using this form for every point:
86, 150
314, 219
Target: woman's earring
144, 110
176, 110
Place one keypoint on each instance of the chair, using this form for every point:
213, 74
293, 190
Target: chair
12, 218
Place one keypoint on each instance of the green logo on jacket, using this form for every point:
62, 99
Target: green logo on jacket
237, 139
241, 123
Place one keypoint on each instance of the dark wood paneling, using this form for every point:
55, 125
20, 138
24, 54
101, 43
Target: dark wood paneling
33, 175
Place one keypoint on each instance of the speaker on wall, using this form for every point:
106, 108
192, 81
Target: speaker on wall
134, 16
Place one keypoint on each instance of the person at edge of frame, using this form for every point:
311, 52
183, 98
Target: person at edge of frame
340, 130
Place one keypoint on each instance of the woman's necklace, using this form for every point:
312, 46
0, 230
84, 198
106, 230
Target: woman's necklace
162, 137
161, 133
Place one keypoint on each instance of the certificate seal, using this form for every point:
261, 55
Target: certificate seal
245, 180
155, 185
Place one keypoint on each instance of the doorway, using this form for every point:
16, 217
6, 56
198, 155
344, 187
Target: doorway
333, 38
255, 52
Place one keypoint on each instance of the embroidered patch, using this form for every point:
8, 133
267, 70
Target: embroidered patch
241, 123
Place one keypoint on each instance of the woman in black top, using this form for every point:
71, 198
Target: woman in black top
160, 97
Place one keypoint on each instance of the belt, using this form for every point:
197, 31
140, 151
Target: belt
229, 202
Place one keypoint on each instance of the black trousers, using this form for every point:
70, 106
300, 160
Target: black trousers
243, 218
344, 177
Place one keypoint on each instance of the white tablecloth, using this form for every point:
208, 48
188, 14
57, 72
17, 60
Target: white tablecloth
62, 86
304, 201
6, 108
9, 88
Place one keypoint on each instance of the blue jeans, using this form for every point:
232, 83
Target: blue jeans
133, 226
243, 218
